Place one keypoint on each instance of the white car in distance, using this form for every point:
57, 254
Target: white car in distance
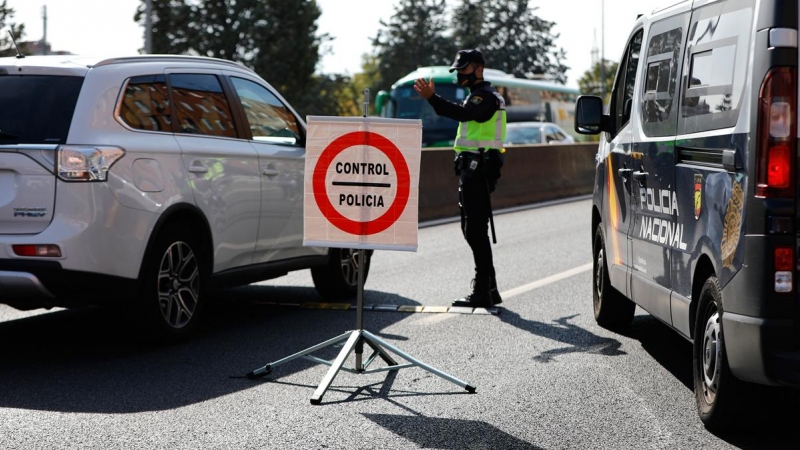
533, 133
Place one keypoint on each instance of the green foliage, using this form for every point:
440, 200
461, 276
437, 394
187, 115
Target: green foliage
511, 37
276, 38
590, 83
170, 26
6, 45
415, 36
329, 95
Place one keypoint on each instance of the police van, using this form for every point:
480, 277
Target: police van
695, 209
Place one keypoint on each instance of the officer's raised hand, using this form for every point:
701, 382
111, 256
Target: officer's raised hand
424, 88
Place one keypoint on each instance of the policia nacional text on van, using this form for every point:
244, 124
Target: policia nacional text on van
478, 144
695, 211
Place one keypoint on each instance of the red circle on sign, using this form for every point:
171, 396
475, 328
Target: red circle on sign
403, 183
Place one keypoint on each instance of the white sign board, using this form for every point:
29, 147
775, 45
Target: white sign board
361, 183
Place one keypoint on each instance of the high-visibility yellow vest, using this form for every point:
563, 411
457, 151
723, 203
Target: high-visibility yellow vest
490, 134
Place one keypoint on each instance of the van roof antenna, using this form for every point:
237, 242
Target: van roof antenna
19, 53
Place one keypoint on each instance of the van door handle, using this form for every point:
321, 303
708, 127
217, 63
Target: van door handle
640, 176
624, 173
270, 172
198, 169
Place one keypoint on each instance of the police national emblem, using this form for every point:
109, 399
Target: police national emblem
698, 195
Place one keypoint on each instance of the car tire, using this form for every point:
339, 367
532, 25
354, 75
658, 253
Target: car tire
173, 285
720, 396
611, 309
338, 279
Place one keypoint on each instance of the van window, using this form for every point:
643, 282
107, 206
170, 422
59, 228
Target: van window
623, 86
145, 104
201, 106
717, 63
37, 109
663, 60
268, 118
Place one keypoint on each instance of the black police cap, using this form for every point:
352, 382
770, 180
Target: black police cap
464, 57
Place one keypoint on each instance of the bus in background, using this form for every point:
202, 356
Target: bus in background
526, 100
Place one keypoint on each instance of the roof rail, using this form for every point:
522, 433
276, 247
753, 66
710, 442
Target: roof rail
174, 58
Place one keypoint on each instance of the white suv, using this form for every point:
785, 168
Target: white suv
148, 181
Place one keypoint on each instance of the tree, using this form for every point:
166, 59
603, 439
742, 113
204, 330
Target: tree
590, 83
6, 45
275, 38
512, 38
415, 36
170, 26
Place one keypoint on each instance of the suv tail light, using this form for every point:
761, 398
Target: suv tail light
38, 250
85, 163
777, 131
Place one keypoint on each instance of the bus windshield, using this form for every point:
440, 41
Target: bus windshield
438, 131
525, 100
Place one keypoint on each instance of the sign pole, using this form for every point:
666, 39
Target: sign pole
355, 339
361, 267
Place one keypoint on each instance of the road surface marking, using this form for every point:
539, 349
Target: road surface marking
545, 281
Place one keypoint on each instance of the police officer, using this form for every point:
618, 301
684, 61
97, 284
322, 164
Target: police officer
478, 144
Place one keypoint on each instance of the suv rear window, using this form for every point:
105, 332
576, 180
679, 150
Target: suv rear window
37, 109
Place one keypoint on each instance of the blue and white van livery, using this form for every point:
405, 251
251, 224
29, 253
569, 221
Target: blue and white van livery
695, 205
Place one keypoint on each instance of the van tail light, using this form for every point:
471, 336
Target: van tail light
784, 263
777, 133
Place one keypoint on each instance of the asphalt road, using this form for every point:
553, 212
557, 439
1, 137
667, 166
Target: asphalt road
547, 376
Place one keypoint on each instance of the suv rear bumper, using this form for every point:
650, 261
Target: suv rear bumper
26, 284
752, 345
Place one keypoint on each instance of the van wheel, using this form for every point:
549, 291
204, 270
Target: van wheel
338, 280
173, 284
611, 309
719, 395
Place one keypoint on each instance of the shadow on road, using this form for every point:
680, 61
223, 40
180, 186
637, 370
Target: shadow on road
84, 361
455, 434
667, 347
434, 432
577, 338
770, 423
380, 390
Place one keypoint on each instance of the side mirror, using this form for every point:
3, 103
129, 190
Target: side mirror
589, 118
380, 100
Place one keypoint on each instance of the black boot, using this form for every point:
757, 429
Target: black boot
481, 296
496, 299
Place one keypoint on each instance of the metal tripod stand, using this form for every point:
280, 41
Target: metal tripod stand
355, 341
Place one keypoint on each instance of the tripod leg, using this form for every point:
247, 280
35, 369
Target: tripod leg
263, 371
381, 352
335, 367
370, 337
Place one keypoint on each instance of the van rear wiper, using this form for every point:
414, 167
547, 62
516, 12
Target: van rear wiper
7, 136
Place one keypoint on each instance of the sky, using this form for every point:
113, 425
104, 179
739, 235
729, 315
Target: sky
106, 27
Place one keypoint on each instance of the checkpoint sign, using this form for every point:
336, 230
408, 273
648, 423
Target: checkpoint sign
362, 183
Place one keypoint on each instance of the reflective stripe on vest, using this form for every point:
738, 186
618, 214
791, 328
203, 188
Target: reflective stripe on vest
473, 135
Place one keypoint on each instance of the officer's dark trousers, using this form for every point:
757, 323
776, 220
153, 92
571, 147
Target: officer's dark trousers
473, 199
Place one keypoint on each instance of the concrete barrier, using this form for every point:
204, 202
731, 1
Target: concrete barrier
530, 174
